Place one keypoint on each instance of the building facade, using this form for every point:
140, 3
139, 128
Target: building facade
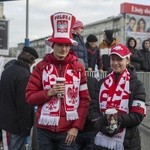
115, 23
120, 24
133, 21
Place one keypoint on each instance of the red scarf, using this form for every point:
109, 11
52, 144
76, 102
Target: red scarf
115, 95
50, 113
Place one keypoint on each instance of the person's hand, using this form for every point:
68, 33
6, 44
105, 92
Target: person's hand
89, 69
108, 132
57, 89
101, 71
71, 136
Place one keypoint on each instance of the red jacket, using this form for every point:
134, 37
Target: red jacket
36, 95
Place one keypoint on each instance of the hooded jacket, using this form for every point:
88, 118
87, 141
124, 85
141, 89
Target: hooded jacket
131, 120
80, 49
145, 65
136, 57
105, 48
93, 57
16, 116
36, 95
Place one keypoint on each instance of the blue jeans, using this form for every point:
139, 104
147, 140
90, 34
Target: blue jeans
16, 142
96, 147
48, 140
85, 140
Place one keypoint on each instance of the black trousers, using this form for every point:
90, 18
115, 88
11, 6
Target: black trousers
100, 148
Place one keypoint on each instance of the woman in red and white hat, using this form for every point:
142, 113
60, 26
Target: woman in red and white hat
80, 50
121, 91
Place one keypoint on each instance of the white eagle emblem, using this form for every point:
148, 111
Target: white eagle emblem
62, 26
118, 48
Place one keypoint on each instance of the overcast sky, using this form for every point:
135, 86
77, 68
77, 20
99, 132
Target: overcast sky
87, 11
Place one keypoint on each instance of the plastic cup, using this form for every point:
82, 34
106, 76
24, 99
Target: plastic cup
111, 115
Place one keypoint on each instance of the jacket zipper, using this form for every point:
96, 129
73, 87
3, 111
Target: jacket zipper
60, 72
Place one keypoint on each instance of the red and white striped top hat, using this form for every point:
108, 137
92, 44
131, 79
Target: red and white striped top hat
62, 23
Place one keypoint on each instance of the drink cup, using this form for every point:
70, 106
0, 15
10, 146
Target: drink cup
60, 80
111, 115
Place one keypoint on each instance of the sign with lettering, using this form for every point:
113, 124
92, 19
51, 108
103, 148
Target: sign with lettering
3, 37
135, 9
138, 27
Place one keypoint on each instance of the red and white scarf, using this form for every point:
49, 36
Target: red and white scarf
50, 112
116, 95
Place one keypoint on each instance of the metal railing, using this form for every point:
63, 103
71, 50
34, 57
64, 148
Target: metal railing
144, 77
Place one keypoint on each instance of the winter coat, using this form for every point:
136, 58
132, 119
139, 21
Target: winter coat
16, 116
93, 57
105, 51
136, 57
80, 49
145, 65
36, 95
89, 125
129, 121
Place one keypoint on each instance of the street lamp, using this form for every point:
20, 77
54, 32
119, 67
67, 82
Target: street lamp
27, 41
27, 21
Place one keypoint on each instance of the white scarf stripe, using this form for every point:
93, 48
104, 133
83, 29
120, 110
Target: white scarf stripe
111, 96
83, 87
50, 112
140, 104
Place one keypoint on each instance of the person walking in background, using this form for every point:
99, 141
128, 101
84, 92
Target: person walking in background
80, 49
62, 107
105, 47
136, 57
93, 53
123, 93
85, 138
145, 52
16, 116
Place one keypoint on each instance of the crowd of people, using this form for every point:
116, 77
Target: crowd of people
71, 114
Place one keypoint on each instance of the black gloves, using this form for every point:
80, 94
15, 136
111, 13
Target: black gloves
100, 122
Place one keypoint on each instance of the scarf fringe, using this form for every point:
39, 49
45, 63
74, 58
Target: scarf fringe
72, 115
108, 142
44, 120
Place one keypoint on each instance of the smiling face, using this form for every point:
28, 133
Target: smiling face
132, 24
118, 64
61, 50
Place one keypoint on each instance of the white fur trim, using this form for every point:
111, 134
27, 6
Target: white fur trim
48, 120
115, 142
72, 115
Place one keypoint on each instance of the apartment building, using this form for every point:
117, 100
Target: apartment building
115, 23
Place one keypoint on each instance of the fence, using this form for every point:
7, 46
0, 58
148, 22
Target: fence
143, 76
145, 125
